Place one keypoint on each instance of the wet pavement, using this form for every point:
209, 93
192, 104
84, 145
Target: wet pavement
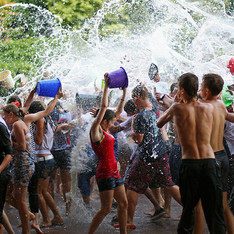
78, 222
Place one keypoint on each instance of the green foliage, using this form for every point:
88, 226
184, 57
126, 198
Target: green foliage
41, 3
17, 56
26, 55
74, 12
25, 21
127, 17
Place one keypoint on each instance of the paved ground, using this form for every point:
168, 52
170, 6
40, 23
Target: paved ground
79, 222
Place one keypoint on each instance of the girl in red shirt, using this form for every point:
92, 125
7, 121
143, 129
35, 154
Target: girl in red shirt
110, 184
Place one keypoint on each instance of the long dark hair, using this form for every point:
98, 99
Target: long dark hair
37, 106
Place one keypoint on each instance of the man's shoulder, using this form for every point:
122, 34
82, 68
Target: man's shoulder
217, 105
214, 102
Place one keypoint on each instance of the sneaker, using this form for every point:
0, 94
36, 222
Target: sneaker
158, 214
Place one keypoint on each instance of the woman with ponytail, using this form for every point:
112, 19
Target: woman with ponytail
43, 132
22, 163
32, 187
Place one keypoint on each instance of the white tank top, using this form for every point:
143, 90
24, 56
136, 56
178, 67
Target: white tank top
47, 142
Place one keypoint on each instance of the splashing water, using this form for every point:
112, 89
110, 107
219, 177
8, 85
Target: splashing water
179, 36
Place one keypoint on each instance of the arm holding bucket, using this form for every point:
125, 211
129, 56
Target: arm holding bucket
36, 116
95, 131
28, 101
121, 104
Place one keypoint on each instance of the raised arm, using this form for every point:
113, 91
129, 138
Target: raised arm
166, 116
36, 116
95, 127
28, 101
121, 104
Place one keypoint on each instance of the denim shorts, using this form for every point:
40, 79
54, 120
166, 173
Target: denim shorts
109, 183
45, 168
62, 158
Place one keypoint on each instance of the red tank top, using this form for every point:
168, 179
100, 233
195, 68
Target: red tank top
107, 166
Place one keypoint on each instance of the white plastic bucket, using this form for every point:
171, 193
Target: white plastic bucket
6, 80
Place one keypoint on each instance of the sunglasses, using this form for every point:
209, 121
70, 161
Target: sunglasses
153, 71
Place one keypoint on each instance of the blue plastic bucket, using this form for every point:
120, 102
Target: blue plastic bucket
118, 79
48, 88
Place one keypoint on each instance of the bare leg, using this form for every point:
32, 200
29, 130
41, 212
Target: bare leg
228, 216
35, 225
106, 198
6, 224
58, 181
42, 203
50, 202
9, 195
151, 195
92, 184
1, 228
167, 206
121, 198
175, 193
20, 196
199, 222
66, 182
132, 202
86, 199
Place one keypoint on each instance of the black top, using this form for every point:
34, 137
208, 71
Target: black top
5, 143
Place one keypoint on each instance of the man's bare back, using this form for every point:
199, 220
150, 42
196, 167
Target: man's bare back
219, 116
193, 122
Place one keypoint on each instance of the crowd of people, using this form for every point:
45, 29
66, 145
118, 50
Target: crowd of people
166, 145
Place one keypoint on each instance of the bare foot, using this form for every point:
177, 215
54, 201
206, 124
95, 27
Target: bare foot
168, 213
45, 224
150, 212
37, 228
57, 221
68, 207
59, 189
31, 217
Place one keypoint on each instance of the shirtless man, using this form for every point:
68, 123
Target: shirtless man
212, 85
199, 172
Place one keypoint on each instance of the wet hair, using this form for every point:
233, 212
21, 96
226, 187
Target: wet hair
14, 109
189, 82
15, 100
173, 86
129, 107
109, 115
141, 91
35, 107
214, 83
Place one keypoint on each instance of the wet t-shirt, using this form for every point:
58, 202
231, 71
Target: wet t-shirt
107, 166
152, 146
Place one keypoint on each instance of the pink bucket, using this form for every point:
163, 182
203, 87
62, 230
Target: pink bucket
118, 79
